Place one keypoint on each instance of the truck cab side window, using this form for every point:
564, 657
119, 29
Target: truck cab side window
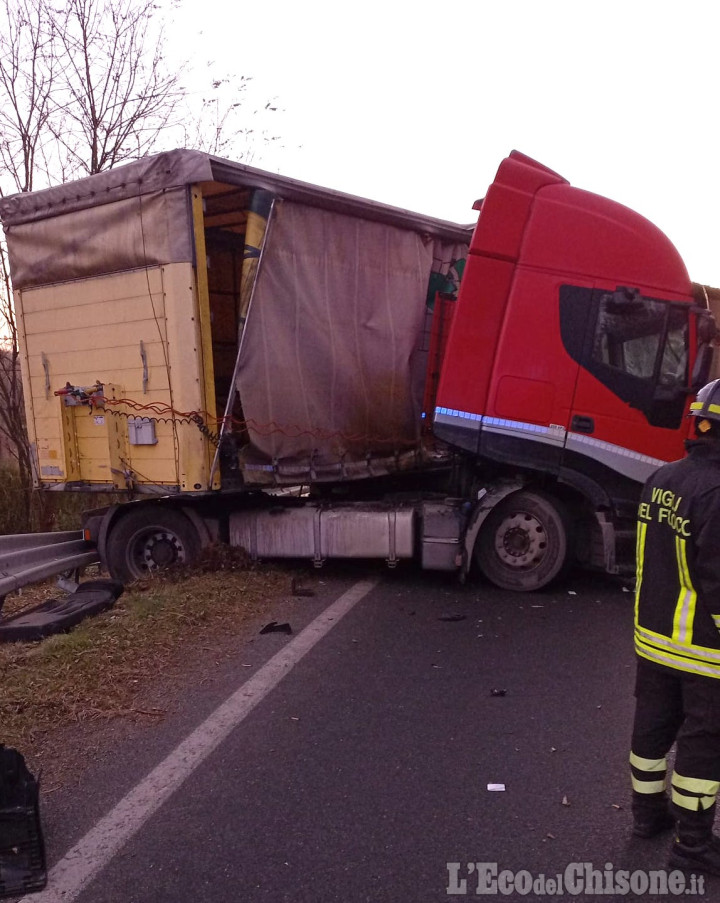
640, 350
630, 334
638, 347
627, 335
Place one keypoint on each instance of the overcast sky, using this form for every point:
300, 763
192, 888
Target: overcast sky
416, 103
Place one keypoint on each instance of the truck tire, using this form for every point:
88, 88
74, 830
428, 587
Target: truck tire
523, 544
150, 538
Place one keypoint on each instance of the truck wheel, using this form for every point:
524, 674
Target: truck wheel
523, 544
150, 539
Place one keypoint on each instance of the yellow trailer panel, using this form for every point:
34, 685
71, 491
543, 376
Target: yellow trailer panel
138, 335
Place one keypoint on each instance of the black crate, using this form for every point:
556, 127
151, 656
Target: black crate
22, 851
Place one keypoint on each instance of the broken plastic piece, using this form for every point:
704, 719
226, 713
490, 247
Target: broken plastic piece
60, 615
498, 692
496, 787
274, 627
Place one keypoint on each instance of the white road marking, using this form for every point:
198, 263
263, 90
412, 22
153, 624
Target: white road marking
91, 854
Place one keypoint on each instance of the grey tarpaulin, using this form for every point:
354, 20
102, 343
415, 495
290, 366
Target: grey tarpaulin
97, 225
327, 365
148, 230
133, 216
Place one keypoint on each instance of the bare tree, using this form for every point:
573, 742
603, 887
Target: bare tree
226, 121
12, 410
115, 95
27, 70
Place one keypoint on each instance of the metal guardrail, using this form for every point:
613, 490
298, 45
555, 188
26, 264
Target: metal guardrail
32, 557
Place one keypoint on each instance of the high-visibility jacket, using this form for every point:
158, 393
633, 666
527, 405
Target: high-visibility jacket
677, 597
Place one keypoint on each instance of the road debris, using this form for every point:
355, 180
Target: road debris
59, 615
274, 627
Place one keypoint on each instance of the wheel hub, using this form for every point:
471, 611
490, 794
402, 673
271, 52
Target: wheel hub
520, 540
160, 550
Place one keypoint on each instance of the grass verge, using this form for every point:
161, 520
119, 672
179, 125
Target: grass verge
100, 669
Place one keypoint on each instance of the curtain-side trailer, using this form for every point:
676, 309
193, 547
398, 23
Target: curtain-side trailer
307, 374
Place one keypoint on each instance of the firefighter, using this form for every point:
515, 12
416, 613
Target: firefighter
677, 641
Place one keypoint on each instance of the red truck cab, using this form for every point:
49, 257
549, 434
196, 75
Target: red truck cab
575, 347
576, 342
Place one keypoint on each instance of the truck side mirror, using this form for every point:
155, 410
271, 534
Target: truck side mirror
707, 339
707, 331
701, 370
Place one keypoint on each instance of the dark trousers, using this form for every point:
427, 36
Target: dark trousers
674, 706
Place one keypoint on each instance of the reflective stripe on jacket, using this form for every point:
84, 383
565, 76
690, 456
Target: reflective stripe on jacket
677, 596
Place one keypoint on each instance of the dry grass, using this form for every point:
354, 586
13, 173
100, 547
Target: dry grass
100, 670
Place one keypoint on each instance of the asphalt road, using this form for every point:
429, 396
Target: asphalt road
367, 769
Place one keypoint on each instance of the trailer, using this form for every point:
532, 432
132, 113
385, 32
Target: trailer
255, 360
